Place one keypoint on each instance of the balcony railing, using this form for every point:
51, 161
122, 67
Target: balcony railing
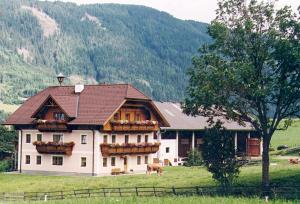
124, 125
130, 148
52, 125
54, 147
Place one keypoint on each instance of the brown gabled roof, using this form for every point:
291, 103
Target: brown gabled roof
91, 107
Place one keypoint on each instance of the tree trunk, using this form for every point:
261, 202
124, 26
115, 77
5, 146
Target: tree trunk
265, 166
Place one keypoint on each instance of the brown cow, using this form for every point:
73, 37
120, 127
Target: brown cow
154, 167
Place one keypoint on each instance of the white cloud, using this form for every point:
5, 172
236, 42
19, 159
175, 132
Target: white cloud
199, 10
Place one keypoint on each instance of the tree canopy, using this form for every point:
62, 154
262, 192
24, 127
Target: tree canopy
251, 72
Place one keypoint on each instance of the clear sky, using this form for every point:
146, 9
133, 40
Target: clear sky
199, 10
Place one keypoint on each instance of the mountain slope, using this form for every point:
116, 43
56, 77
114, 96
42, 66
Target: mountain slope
95, 44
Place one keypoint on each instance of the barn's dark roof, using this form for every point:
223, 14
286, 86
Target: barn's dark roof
180, 121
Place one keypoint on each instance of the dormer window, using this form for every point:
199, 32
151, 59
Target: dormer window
127, 116
59, 116
138, 117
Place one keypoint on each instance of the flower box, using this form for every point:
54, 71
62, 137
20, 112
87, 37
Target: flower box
54, 147
127, 149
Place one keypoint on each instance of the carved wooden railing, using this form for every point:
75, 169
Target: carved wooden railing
52, 125
130, 148
124, 125
54, 147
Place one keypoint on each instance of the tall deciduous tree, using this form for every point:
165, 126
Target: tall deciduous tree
251, 72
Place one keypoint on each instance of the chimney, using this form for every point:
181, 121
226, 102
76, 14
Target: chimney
79, 88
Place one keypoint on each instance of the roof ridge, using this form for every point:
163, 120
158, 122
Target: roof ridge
114, 84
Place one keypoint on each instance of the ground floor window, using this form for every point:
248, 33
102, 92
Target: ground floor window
27, 159
38, 160
138, 160
104, 162
146, 159
83, 161
167, 149
113, 161
57, 160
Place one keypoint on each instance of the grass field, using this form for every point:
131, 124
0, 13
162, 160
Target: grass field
282, 173
170, 200
290, 137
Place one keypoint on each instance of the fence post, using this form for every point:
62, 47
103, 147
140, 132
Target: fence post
120, 192
45, 197
197, 190
174, 190
154, 190
104, 192
136, 190
61, 195
89, 192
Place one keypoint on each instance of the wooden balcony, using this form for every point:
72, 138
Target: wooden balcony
135, 126
52, 126
127, 149
54, 148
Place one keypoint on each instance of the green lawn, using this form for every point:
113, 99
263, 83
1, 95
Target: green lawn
282, 173
290, 137
169, 200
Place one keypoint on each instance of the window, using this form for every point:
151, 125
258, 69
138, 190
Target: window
184, 141
139, 139
38, 160
138, 160
27, 159
83, 161
113, 139
127, 116
126, 139
113, 161
59, 116
105, 162
146, 159
28, 138
167, 149
104, 138
83, 139
57, 138
146, 138
39, 137
138, 117
116, 116
57, 161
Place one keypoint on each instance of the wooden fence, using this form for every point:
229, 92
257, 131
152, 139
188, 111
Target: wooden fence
249, 191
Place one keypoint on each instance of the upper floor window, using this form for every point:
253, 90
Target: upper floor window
28, 138
116, 116
127, 116
104, 138
138, 117
146, 138
113, 139
57, 138
139, 139
39, 137
83, 139
59, 116
126, 139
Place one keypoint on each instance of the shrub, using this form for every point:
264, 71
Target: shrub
6, 165
219, 155
194, 158
281, 147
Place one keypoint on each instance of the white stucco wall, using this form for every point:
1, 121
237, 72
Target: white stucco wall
173, 145
72, 164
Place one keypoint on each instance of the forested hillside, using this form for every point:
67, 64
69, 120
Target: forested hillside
95, 44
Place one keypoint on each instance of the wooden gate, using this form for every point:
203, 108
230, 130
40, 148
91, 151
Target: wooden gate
253, 147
